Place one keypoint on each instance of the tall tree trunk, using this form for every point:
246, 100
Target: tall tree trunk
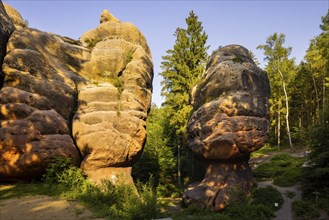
316, 96
178, 167
323, 94
279, 124
287, 106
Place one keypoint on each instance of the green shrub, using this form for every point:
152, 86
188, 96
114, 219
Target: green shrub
55, 169
246, 210
268, 197
259, 207
106, 199
92, 42
304, 210
284, 169
289, 178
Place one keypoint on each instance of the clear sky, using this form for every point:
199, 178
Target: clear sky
243, 22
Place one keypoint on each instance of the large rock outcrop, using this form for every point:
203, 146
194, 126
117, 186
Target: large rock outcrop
109, 125
37, 99
53, 83
230, 121
6, 29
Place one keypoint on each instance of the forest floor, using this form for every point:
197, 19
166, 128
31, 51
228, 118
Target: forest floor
285, 212
44, 207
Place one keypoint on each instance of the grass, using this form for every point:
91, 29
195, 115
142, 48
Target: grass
22, 189
283, 169
267, 148
106, 200
259, 207
122, 202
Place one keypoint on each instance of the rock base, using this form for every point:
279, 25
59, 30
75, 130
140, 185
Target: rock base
223, 183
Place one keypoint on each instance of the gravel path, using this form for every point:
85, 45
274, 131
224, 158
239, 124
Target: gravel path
285, 213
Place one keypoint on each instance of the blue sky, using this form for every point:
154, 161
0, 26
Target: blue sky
248, 23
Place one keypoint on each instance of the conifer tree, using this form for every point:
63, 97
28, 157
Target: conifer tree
182, 66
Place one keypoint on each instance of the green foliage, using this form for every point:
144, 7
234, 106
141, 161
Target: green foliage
268, 197
259, 207
284, 169
129, 56
281, 72
304, 210
55, 169
92, 42
316, 177
22, 189
107, 200
120, 201
247, 210
157, 160
182, 68
263, 151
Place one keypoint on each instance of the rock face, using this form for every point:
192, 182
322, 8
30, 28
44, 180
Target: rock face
230, 121
53, 83
37, 99
109, 125
15, 16
6, 29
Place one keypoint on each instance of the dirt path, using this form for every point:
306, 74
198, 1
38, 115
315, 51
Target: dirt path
43, 208
285, 212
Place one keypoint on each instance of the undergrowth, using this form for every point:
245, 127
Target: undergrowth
261, 206
106, 199
283, 169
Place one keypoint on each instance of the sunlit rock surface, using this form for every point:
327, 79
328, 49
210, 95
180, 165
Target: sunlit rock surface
230, 121
62, 97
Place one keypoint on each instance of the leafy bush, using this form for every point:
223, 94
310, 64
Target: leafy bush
55, 169
268, 197
283, 168
247, 210
289, 178
114, 201
316, 177
259, 207
303, 210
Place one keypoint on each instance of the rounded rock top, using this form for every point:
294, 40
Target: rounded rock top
107, 16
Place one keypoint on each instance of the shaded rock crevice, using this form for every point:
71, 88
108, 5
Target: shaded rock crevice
6, 29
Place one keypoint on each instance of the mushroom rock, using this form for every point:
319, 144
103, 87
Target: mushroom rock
231, 120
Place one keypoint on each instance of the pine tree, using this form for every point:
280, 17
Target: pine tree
182, 67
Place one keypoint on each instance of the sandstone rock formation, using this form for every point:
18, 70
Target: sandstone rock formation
6, 29
230, 121
15, 16
109, 125
53, 83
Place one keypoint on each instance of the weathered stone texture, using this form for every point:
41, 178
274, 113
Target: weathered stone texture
230, 121
6, 29
60, 98
110, 124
